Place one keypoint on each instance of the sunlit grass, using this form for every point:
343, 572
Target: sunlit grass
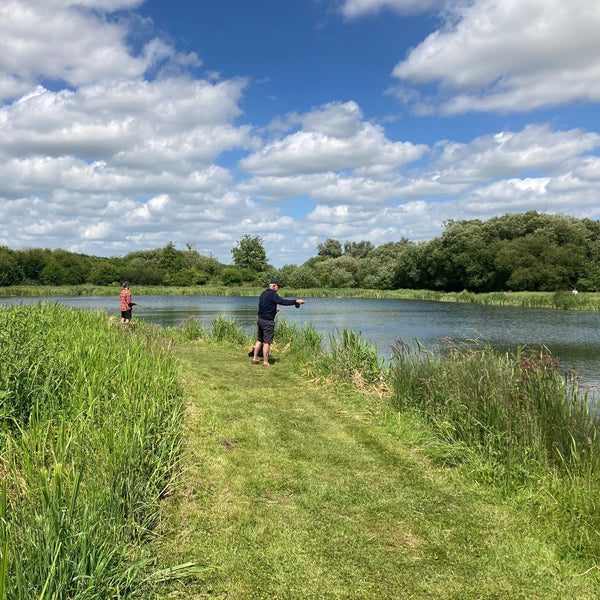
296, 483
517, 424
297, 487
90, 425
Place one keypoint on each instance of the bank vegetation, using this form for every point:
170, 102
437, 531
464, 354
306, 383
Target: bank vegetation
524, 252
92, 422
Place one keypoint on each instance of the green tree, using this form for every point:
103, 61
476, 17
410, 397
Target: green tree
340, 278
358, 249
232, 276
170, 260
33, 261
302, 277
330, 248
323, 270
187, 277
104, 273
409, 270
206, 264
66, 268
52, 274
462, 258
10, 271
545, 252
249, 253
141, 270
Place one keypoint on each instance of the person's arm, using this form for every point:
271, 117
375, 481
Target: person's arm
283, 301
287, 302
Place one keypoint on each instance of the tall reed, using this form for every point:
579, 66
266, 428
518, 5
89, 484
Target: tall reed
517, 422
224, 328
515, 406
90, 425
349, 357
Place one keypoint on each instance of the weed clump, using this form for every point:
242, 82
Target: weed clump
351, 359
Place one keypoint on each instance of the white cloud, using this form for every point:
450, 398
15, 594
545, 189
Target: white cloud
277, 189
112, 153
105, 149
332, 139
58, 40
334, 119
589, 169
488, 176
377, 225
509, 55
118, 118
508, 153
545, 194
358, 8
95, 231
331, 215
101, 5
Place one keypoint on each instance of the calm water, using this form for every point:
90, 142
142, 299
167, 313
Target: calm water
572, 336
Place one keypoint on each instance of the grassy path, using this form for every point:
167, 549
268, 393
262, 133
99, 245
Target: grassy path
298, 490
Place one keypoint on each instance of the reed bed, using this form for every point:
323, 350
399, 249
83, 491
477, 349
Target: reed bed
516, 422
90, 426
34, 291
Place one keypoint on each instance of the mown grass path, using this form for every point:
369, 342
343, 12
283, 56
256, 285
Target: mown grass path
300, 490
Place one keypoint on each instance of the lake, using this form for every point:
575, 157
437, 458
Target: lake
572, 336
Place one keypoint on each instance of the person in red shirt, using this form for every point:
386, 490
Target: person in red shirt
126, 303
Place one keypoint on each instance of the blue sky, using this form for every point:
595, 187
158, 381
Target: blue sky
128, 124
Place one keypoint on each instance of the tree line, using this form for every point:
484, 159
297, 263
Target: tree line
516, 252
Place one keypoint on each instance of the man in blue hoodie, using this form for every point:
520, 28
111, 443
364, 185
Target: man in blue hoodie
267, 309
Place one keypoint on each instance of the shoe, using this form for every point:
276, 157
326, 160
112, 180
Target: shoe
256, 362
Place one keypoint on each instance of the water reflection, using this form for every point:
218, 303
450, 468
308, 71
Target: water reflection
572, 336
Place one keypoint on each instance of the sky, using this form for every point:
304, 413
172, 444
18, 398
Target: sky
129, 124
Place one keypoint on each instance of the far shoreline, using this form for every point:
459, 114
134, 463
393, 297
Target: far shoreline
564, 299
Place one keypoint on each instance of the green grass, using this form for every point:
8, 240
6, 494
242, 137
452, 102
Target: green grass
296, 488
516, 424
90, 432
476, 478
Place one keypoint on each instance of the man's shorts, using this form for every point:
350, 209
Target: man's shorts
266, 331
126, 314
